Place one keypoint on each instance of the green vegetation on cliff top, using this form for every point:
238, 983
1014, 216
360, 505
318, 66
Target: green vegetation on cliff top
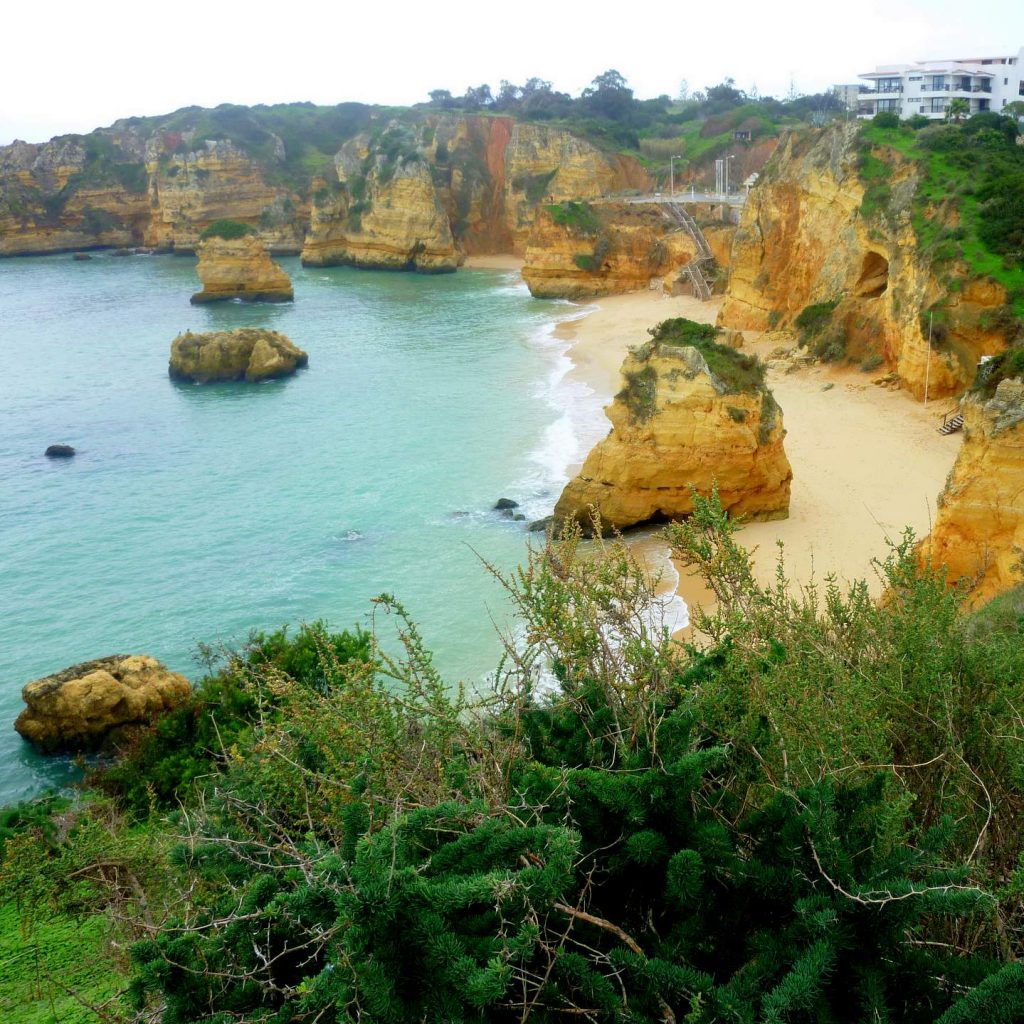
227, 229
968, 206
812, 817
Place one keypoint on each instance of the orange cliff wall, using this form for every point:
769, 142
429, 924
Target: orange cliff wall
803, 240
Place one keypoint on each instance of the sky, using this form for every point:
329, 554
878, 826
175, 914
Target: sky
71, 67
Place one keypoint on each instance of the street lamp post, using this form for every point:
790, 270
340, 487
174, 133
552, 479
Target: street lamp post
672, 174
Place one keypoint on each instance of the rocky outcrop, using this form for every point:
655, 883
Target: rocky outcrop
579, 250
808, 237
161, 182
249, 353
240, 268
54, 198
979, 528
690, 417
189, 189
420, 195
81, 706
387, 213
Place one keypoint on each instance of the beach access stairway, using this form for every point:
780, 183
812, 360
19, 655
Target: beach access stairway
701, 269
951, 424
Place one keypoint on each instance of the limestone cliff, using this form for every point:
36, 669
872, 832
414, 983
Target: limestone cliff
578, 250
386, 213
55, 197
832, 221
451, 183
979, 529
421, 195
247, 353
240, 268
190, 188
80, 706
690, 416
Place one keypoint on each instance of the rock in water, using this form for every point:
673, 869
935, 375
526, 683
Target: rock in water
678, 427
59, 451
79, 707
240, 268
81, 257
249, 353
503, 504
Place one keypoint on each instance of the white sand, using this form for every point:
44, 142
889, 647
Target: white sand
866, 461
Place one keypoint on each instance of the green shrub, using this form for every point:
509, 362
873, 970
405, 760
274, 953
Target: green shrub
735, 370
886, 119
579, 218
161, 765
227, 229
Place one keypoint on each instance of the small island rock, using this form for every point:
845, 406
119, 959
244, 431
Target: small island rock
248, 353
79, 707
239, 268
59, 451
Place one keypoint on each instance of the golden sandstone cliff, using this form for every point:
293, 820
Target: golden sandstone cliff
579, 250
419, 190
692, 415
807, 237
423, 196
979, 529
240, 268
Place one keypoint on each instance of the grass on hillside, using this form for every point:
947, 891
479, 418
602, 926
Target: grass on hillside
948, 179
41, 969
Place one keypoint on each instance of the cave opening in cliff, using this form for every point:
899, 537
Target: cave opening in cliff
874, 276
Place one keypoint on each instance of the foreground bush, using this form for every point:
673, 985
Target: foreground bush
812, 818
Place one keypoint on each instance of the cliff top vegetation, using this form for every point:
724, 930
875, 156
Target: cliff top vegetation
227, 229
968, 208
737, 371
812, 817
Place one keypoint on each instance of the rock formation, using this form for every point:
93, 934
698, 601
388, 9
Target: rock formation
578, 250
691, 415
807, 237
80, 706
420, 196
240, 268
979, 529
59, 451
248, 353
388, 214
161, 182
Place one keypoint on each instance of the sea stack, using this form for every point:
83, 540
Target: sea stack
692, 415
249, 353
235, 264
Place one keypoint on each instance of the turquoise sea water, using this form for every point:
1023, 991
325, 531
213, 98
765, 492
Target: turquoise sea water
198, 513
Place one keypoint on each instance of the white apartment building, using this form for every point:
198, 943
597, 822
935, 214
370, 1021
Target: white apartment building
987, 83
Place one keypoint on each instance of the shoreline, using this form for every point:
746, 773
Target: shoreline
867, 461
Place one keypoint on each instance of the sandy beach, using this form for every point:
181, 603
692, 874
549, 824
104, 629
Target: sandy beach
866, 461
502, 261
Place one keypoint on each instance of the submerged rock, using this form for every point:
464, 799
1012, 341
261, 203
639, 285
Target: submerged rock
240, 268
248, 353
79, 707
59, 451
81, 257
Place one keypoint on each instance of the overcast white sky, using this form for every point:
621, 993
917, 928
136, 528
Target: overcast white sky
71, 66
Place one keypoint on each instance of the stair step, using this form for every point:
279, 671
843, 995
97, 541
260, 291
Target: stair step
953, 425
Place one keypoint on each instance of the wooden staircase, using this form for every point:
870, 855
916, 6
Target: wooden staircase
952, 424
701, 269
